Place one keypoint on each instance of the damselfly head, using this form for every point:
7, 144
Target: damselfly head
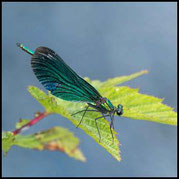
119, 109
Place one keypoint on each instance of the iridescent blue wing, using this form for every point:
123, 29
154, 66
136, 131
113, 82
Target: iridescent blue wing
57, 77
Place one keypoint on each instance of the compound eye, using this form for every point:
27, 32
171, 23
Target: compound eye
119, 110
119, 113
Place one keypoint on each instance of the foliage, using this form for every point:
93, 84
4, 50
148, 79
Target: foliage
54, 139
135, 105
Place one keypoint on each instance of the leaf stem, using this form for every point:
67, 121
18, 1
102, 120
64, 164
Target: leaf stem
31, 123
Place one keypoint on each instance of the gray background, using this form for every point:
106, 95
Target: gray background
101, 41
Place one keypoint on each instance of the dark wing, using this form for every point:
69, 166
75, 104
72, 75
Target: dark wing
57, 77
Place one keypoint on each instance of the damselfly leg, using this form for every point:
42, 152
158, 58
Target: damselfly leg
112, 125
103, 116
84, 110
82, 116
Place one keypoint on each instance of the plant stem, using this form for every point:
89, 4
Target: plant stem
31, 123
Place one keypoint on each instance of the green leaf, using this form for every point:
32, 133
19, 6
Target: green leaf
57, 138
116, 80
136, 106
7, 141
141, 106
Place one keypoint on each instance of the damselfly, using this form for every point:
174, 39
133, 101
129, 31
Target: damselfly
57, 77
